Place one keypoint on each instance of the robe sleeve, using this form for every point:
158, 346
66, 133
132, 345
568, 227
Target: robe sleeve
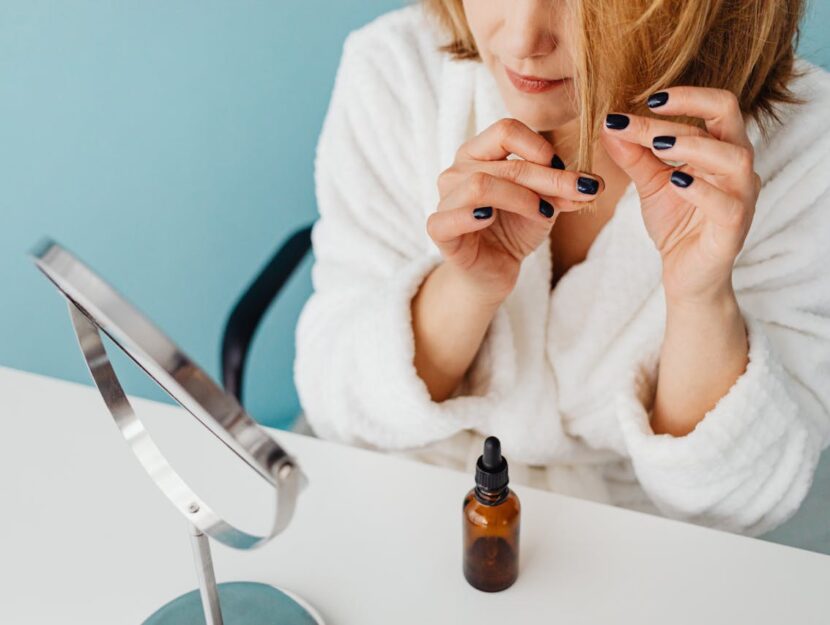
353, 368
748, 464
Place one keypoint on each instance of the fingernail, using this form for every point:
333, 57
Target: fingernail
615, 121
663, 142
681, 179
556, 162
546, 208
483, 212
587, 185
657, 99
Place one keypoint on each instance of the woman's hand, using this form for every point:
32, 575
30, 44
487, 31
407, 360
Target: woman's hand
698, 215
493, 212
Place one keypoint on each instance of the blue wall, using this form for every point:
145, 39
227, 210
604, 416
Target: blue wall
170, 145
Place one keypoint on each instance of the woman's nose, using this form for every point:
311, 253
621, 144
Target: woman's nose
528, 28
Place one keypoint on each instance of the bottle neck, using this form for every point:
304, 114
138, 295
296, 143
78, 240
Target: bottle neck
491, 497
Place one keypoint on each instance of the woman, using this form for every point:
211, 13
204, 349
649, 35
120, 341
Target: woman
618, 266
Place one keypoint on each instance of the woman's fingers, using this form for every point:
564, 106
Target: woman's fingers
472, 206
733, 163
641, 166
565, 189
639, 129
551, 183
722, 209
504, 137
719, 108
535, 169
482, 189
445, 227
680, 142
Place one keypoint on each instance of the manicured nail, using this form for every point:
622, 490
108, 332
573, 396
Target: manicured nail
556, 162
615, 121
663, 142
658, 99
681, 179
546, 208
483, 212
587, 185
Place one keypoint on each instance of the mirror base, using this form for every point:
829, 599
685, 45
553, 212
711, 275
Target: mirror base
243, 603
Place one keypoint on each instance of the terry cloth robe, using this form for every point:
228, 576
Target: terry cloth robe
564, 377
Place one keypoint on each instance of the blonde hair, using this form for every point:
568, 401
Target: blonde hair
629, 49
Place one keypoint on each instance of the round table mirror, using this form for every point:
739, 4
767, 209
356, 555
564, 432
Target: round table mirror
96, 311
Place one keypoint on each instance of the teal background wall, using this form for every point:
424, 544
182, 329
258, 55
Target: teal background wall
170, 145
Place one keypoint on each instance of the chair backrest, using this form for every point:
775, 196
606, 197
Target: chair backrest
252, 305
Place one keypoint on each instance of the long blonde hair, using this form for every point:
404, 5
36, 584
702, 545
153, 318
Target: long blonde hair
628, 49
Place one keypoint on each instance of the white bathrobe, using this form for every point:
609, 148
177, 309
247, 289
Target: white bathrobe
565, 378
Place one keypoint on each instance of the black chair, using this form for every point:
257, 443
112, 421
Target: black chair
252, 305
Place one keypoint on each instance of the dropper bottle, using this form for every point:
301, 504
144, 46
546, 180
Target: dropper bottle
491, 524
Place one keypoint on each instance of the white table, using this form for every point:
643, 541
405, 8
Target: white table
87, 537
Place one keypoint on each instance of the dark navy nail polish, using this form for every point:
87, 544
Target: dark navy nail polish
546, 208
681, 179
483, 212
615, 121
587, 185
663, 142
658, 99
556, 162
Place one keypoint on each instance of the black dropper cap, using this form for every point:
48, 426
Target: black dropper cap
491, 468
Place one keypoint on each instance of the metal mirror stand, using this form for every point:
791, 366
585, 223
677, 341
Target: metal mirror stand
94, 306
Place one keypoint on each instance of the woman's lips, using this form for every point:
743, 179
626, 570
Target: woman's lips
532, 84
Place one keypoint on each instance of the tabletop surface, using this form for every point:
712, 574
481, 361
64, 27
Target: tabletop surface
87, 537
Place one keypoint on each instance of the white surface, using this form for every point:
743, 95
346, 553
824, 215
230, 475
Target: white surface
87, 538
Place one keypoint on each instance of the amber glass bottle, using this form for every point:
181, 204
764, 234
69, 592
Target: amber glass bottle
491, 524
